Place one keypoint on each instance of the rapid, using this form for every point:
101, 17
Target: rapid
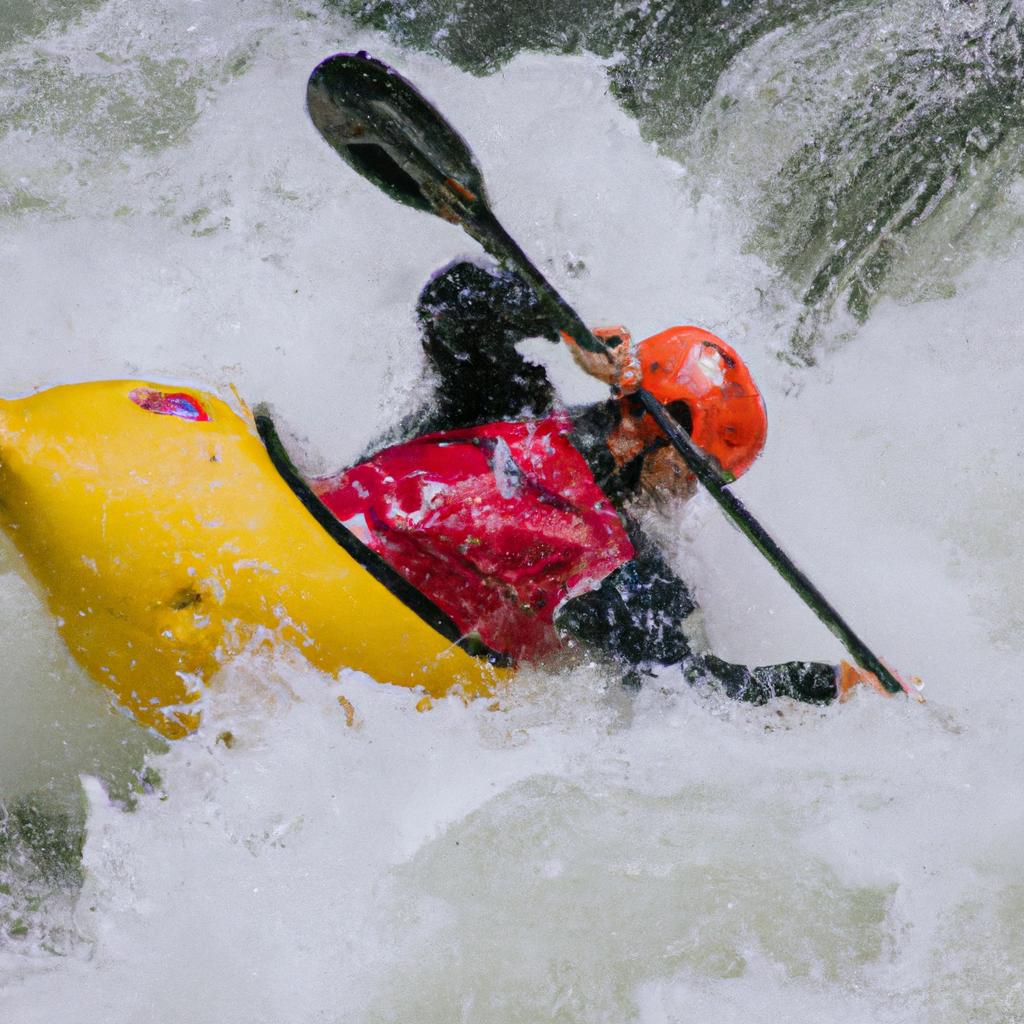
578, 853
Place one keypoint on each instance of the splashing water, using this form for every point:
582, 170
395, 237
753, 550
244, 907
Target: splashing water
581, 854
846, 131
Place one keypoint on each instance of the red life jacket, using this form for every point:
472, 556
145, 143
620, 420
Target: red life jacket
497, 524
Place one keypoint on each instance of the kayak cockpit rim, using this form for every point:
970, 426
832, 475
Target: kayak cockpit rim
415, 600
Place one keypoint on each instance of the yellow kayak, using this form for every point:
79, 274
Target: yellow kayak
168, 532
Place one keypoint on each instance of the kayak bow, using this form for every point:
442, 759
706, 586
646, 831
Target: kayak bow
165, 540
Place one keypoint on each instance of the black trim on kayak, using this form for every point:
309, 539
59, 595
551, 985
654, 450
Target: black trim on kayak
415, 600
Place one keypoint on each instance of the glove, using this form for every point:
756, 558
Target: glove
618, 366
849, 676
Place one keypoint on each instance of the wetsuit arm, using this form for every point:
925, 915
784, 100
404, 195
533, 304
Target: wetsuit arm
637, 616
809, 681
471, 319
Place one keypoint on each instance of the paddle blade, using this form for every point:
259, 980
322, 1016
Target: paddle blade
384, 128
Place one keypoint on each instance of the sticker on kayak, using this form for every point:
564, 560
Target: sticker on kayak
176, 403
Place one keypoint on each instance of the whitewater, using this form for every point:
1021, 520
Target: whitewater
577, 852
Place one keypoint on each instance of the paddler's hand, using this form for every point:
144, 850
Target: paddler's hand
618, 367
848, 677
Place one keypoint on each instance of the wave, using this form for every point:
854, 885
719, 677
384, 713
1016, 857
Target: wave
876, 120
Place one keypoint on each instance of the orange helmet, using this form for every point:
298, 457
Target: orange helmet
691, 365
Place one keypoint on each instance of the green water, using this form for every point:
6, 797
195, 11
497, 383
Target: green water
21, 19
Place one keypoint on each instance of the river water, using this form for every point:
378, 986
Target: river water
834, 188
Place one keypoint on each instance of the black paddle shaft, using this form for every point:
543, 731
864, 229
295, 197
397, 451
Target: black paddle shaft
708, 473
382, 126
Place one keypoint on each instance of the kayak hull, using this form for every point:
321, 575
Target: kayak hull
164, 541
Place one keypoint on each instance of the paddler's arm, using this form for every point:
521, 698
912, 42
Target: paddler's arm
471, 318
638, 617
813, 682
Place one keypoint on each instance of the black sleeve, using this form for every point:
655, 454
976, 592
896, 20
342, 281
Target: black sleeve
471, 318
812, 682
636, 617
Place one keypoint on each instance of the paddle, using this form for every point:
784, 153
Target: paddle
381, 125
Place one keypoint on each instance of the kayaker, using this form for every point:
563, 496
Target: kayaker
514, 516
